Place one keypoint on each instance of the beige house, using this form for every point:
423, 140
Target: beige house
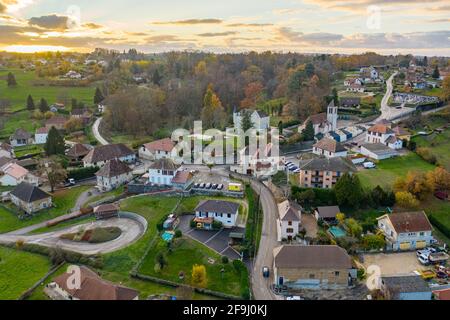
312, 267
29, 198
157, 149
100, 155
329, 148
113, 175
324, 172
288, 223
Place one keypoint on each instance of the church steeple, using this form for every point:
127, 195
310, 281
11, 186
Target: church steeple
332, 115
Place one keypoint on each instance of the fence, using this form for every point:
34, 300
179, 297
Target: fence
28, 293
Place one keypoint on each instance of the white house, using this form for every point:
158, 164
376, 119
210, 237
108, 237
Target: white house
6, 150
381, 133
113, 175
377, 151
260, 120
157, 149
355, 88
329, 148
41, 135
208, 211
406, 230
323, 122
21, 138
288, 222
99, 156
11, 174
163, 171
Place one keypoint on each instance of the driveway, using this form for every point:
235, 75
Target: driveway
310, 225
394, 263
215, 240
96, 132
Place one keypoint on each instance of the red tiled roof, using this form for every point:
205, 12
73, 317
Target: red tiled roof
380, 128
165, 144
410, 222
182, 177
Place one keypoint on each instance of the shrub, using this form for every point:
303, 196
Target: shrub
193, 224
178, 233
406, 200
217, 225
199, 276
225, 259
427, 155
82, 173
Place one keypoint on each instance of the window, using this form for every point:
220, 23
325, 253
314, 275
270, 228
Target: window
229, 215
336, 273
312, 275
289, 223
289, 230
422, 233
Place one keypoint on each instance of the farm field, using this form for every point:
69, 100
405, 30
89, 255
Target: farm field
19, 271
439, 145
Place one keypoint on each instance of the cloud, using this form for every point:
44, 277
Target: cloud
137, 34
3, 8
249, 25
190, 21
53, 22
216, 34
321, 38
362, 5
162, 38
438, 20
13, 5
93, 26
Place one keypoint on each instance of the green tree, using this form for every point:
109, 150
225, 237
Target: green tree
30, 103
11, 80
213, 114
156, 78
308, 132
43, 106
280, 127
379, 196
335, 96
98, 97
349, 191
246, 121
436, 74
55, 143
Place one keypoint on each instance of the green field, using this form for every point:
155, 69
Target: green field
439, 144
22, 120
19, 271
25, 86
63, 201
389, 170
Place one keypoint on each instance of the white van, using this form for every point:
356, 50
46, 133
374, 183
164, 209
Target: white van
369, 165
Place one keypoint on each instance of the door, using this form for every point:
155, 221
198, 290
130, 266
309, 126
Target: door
280, 281
421, 244
405, 246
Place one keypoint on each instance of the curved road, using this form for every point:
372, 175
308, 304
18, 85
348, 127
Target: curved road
96, 132
132, 229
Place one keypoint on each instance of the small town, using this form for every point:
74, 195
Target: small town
153, 170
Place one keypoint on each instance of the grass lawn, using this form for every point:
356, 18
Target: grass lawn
185, 253
439, 145
19, 271
18, 95
22, 120
390, 169
30, 149
113, 193
63, 200
441, 211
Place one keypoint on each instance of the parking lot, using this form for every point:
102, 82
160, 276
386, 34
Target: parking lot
216, 240
394, 263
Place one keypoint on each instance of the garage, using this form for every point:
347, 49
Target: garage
421, 244
405, 246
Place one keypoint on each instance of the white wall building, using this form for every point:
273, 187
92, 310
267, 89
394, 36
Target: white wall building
163, 171
260, 120
41, 135
225, 212
288, 222
113, 175
329, 148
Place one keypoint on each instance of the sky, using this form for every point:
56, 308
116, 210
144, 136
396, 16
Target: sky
310, 26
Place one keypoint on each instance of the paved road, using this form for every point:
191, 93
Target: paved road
96, 132
132, 229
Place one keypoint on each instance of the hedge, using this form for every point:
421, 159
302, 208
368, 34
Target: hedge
82, 173
438, 224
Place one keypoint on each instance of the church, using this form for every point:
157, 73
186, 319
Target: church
323, 122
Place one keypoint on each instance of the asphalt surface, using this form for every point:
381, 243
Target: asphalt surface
96, 132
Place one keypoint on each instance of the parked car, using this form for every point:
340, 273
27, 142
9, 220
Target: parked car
202, 185
423, 259
265, 272
214, 186
296, 171
196, 185
208, 186
220, 187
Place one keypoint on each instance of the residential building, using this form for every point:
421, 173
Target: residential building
30, 198
182, 179
327, 214
21, 138
312, 267
350, 102
329, 148
106, 211
377, 151
406, 230
113, 175
78, 151
12, 174
259, 119
381, 133
58, 122
401, 133
324, 172
442, 294
157, 149
351, 81
98, 156
92, 287
355, 88
41, 135
163, 171
323, 122
405, 287
6, 150
208, 211
288, 222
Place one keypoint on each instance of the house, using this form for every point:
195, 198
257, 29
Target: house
355, 88
91, 287
312, 267
21, 138
208, 211
12, 174
106, 211
73, 75
6, 150
402, 133
113, 175
182, 180
5, 160
98, 156
351, 81
405, 287
327, 214
56, 107
259, 119
324, 172
406, 230
442, 294
329, 148
288, 222
78, 151
381, 133
323, 122
41, 135
350, 102
157, 149
163, 171
30, 198
58, 122
377, 151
